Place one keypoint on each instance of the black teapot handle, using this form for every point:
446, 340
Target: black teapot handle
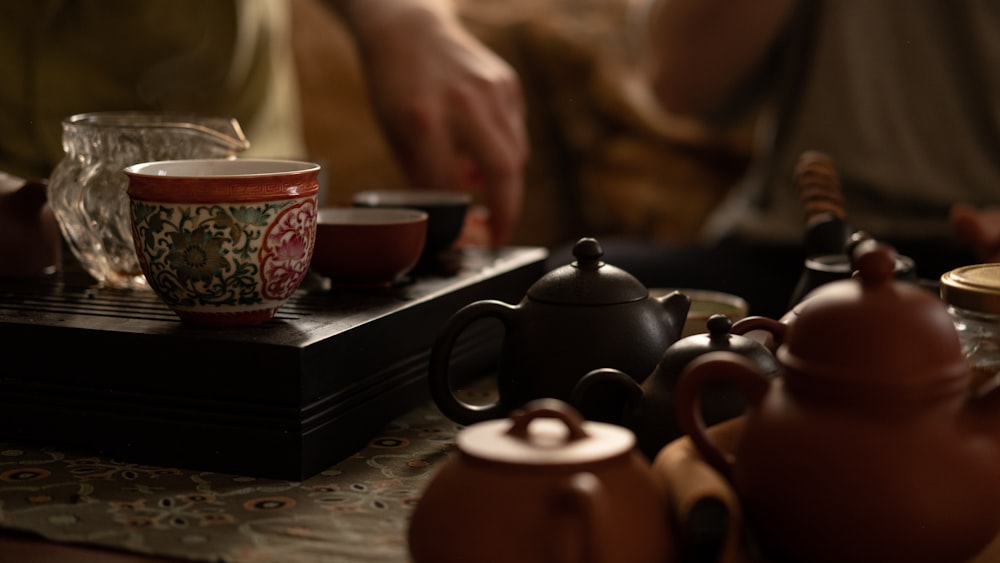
590, 396
440, 377
716, 367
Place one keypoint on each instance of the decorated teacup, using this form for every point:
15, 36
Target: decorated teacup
224, 241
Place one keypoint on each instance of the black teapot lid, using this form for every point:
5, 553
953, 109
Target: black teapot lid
719, 337
588, 280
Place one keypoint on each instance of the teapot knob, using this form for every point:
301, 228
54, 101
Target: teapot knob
588, 253
718, 327
875, 262
547, 408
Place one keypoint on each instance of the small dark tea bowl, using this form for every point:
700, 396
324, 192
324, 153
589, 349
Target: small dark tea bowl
445, 210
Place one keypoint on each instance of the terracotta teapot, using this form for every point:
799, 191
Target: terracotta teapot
871, 444
30, 241
543, 486
576, 318
647, 408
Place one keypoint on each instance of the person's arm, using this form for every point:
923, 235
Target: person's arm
699, 52
451, 108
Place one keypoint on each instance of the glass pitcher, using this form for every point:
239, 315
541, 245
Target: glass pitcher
87, 189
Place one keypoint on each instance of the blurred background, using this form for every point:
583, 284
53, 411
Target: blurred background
605, 159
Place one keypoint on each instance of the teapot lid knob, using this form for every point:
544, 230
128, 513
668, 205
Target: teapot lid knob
718, 327
875, 262
588, 253
545, 432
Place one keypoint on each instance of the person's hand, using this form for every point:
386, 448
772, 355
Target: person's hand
451, 108
979, 228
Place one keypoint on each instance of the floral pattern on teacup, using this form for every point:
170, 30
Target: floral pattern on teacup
225, 254
287, 250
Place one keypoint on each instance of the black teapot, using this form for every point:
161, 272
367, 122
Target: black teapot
577, 318
647, 408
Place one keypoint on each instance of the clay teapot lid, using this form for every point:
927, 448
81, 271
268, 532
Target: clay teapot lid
718, 338
545, 432
873, 328
588, 280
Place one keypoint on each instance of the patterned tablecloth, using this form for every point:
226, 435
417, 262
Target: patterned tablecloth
357, 510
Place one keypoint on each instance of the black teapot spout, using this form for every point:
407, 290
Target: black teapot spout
676, 306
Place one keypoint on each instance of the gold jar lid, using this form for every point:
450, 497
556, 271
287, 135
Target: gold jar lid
975, 288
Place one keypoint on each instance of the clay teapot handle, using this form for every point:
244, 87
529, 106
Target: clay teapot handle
583, 499
580, 498
547, 408
716, 367
440, 380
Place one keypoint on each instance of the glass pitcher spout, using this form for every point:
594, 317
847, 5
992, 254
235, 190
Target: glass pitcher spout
87, 189
216, 134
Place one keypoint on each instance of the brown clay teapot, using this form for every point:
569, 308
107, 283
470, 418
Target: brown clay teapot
543, 486
647, 408
30, 242
576, 318
871, 444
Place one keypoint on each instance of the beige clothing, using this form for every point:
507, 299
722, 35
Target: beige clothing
229, 58
905, 96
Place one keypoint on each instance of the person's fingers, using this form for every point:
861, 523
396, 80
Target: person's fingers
494, 140
980, 229
456, 122
420, 138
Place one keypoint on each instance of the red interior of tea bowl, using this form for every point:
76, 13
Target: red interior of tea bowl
368, 247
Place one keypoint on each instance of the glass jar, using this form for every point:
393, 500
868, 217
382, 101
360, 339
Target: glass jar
87, 189
972, 294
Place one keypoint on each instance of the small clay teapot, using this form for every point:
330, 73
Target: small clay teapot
871, 444
543, 486
30, 241
576, 318
647, 408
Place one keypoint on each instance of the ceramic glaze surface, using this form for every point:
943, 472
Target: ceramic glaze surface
233, 260
368, 248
